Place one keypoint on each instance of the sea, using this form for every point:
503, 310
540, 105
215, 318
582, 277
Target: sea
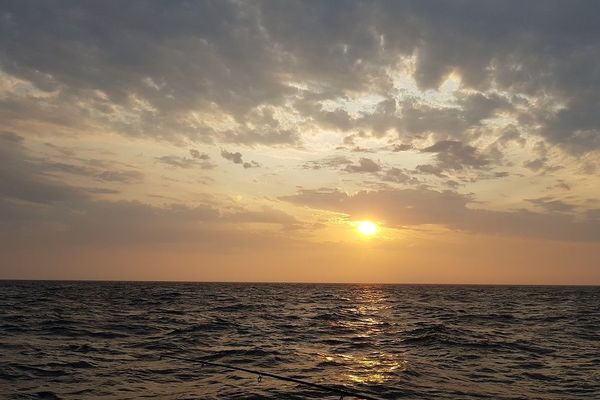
130, 340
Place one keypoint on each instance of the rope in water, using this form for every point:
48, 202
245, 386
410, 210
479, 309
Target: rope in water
341, 392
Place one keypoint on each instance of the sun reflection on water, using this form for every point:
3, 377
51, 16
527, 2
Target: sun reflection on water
368, 321
377, 371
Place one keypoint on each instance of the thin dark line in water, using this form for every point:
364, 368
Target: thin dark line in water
341, 392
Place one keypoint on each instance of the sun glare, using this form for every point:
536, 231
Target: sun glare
367, 228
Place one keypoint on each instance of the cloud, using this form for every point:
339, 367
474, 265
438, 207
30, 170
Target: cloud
11, 137
199, 156
398, 175
186, 163
414, 207
119, 176
265, 215
249, 137
540, 165
365, 165
251, 164
129, 223
329, 162
155, 69
322, 198
455, 155
38, 210
536, 164
552, 205
430, 169
433, 97
237, 158
22, 179
402, 147
560, 184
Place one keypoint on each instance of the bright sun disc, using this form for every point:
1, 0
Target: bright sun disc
367, 228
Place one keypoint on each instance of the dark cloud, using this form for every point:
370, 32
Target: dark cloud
409, 118
589, 167
541, 165
552, 205
430, 169
127, 223
266, 215
186, 163
199, 156
454, 155
358, 149
251, 164
560, 184
237, 158
450, 122
413, 207
120, 176
53, 166
398, 175
101, 191
11, 137
536, 164
100, 61
330, 162
322, 198
36, 209
402, 147
23, 179
593, 215
364, 165
511, 134
250, 137
452, 184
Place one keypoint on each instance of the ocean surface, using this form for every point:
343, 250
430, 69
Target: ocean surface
91, 340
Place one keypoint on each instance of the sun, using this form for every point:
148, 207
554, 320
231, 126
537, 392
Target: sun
367, 228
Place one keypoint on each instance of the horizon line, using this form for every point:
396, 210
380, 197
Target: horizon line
299, 282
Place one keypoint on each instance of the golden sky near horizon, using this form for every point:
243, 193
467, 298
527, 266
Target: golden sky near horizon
335, 142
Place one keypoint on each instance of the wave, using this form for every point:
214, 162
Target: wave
107, 341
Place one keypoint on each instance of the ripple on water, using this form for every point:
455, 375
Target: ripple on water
107, 340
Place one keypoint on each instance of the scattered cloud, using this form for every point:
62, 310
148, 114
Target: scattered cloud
237, 158
454, 155
330, 162
36, 206
398, 175
121, 176
552, 205
186, 163
199, 156
402, 147
536, 165
364, 165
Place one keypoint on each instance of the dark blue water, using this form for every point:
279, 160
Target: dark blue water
105, 340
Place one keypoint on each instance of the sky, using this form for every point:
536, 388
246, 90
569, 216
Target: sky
247, 140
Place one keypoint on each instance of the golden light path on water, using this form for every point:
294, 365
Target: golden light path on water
372, 367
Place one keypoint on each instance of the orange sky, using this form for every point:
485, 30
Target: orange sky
244, 142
